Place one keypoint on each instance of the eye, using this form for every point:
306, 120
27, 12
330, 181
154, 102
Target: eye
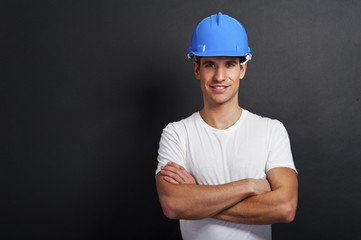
208, 65
230, 65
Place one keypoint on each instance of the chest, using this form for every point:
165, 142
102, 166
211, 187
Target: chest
221, 158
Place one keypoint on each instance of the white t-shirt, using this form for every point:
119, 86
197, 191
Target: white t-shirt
247, 149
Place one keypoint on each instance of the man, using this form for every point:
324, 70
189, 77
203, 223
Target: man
225, 172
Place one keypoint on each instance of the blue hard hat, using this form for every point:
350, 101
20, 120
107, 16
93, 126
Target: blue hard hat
219, 35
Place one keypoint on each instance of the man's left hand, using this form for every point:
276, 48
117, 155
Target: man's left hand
176, 174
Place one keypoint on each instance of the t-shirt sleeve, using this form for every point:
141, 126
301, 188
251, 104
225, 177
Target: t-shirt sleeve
170, 147
279, 154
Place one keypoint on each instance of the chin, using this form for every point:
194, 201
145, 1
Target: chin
220, 101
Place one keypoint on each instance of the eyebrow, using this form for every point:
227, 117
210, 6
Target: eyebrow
212, 62
232, 61
207, 62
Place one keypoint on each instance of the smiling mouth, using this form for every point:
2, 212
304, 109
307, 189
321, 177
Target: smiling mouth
219, 89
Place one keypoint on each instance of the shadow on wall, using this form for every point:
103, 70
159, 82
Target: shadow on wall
156, 104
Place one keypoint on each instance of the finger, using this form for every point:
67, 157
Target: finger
190, 180
171, 174
178, 168
181, 172
175, 165
173, 169
171, 180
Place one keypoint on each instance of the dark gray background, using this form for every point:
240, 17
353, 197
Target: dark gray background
87, 87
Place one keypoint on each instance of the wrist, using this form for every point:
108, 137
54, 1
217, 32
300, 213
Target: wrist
246, 188
251, 187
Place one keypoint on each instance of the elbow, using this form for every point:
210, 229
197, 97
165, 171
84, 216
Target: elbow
170, 213
288, 213
170, 209
174, 209
289, 217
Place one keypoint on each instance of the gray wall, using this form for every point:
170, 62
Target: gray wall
87, 87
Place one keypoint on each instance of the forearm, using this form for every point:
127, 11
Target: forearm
192, 201
276, 206
267, 208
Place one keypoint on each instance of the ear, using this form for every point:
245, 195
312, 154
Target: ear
243, 71
196, 70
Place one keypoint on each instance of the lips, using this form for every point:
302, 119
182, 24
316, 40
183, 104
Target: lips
219, 89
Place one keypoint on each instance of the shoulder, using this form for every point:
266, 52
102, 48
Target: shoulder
262, 122
268, 127
179, 128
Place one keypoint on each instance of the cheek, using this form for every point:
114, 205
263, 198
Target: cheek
204, 79
236, 82
203, 85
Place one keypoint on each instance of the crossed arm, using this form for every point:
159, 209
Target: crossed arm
248, 201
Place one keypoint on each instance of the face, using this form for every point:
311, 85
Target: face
219, 78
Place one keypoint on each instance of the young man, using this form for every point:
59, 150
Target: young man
225, 172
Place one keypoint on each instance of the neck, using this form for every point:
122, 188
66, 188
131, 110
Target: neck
222, 116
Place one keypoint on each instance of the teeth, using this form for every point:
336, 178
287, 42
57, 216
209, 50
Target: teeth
219, 87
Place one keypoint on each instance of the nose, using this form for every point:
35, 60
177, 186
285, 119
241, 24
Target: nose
220, 74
